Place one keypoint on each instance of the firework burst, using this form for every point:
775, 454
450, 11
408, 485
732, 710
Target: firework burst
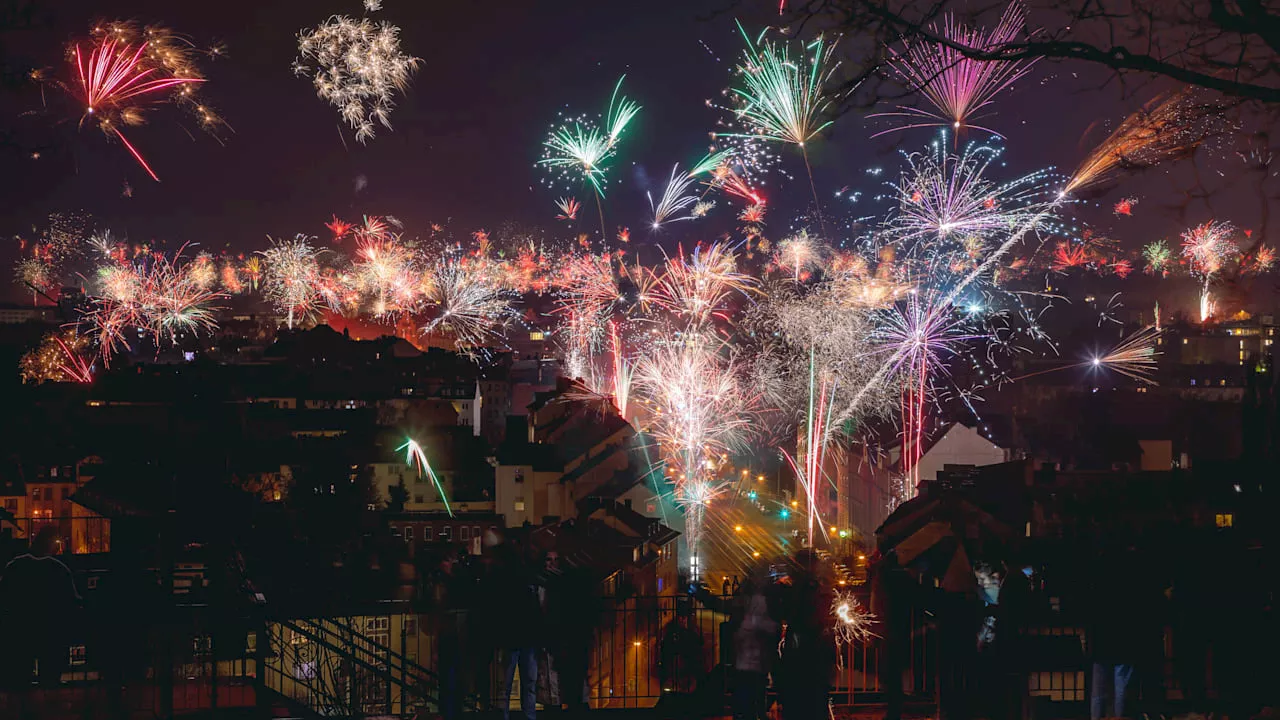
957, 86
359, 69
292, 280
116, 81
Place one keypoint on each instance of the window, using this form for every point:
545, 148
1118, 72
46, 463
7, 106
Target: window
519, 477
408, 533
519, 504
448, 533
377, 624
475, 531
537, 335
464, 533
426, 533
411, 624
1224, 520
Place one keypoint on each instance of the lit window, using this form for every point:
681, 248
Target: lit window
464, 533
1224, 520
1184, 341
1222, 383
1193, 381
537, 335
519, 505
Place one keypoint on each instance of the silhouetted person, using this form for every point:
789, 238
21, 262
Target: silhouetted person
753, 627
959, 619
892, 599
38, 606
735, 587
808, 644
725, 587
577, 608
1122, 631
520, 604
450, 611
680, 663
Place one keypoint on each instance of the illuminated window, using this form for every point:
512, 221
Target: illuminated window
520, 505
1222, 383
537, 335
408, 534
1224, 520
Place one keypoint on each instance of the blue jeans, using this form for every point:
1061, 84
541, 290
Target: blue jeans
527, 659
1109, 683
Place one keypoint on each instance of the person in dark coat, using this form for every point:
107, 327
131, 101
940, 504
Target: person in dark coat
520, 601
808, 643
38, 606
1123, 632
892, 602
124, 608
576, 608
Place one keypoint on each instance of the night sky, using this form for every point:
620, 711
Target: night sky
466, 135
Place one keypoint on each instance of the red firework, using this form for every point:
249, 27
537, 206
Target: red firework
339, 228
116, 82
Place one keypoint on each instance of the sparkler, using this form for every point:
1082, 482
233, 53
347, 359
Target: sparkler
956, 86
783, 100
359, 69
852, 622
416, 458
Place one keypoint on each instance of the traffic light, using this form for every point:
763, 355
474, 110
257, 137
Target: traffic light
752, 494
785, 513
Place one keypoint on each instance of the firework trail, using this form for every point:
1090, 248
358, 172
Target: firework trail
1134, 357
1167, 127
63, 356
674, 197
784, 100
956, 86
116, 81
359, 69
416, 458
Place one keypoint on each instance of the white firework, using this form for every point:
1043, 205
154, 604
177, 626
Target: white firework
358, 68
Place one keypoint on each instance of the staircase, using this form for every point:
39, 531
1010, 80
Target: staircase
325, 667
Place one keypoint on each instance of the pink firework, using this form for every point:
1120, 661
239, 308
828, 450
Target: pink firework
957, 86
1208, 247
115, 82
